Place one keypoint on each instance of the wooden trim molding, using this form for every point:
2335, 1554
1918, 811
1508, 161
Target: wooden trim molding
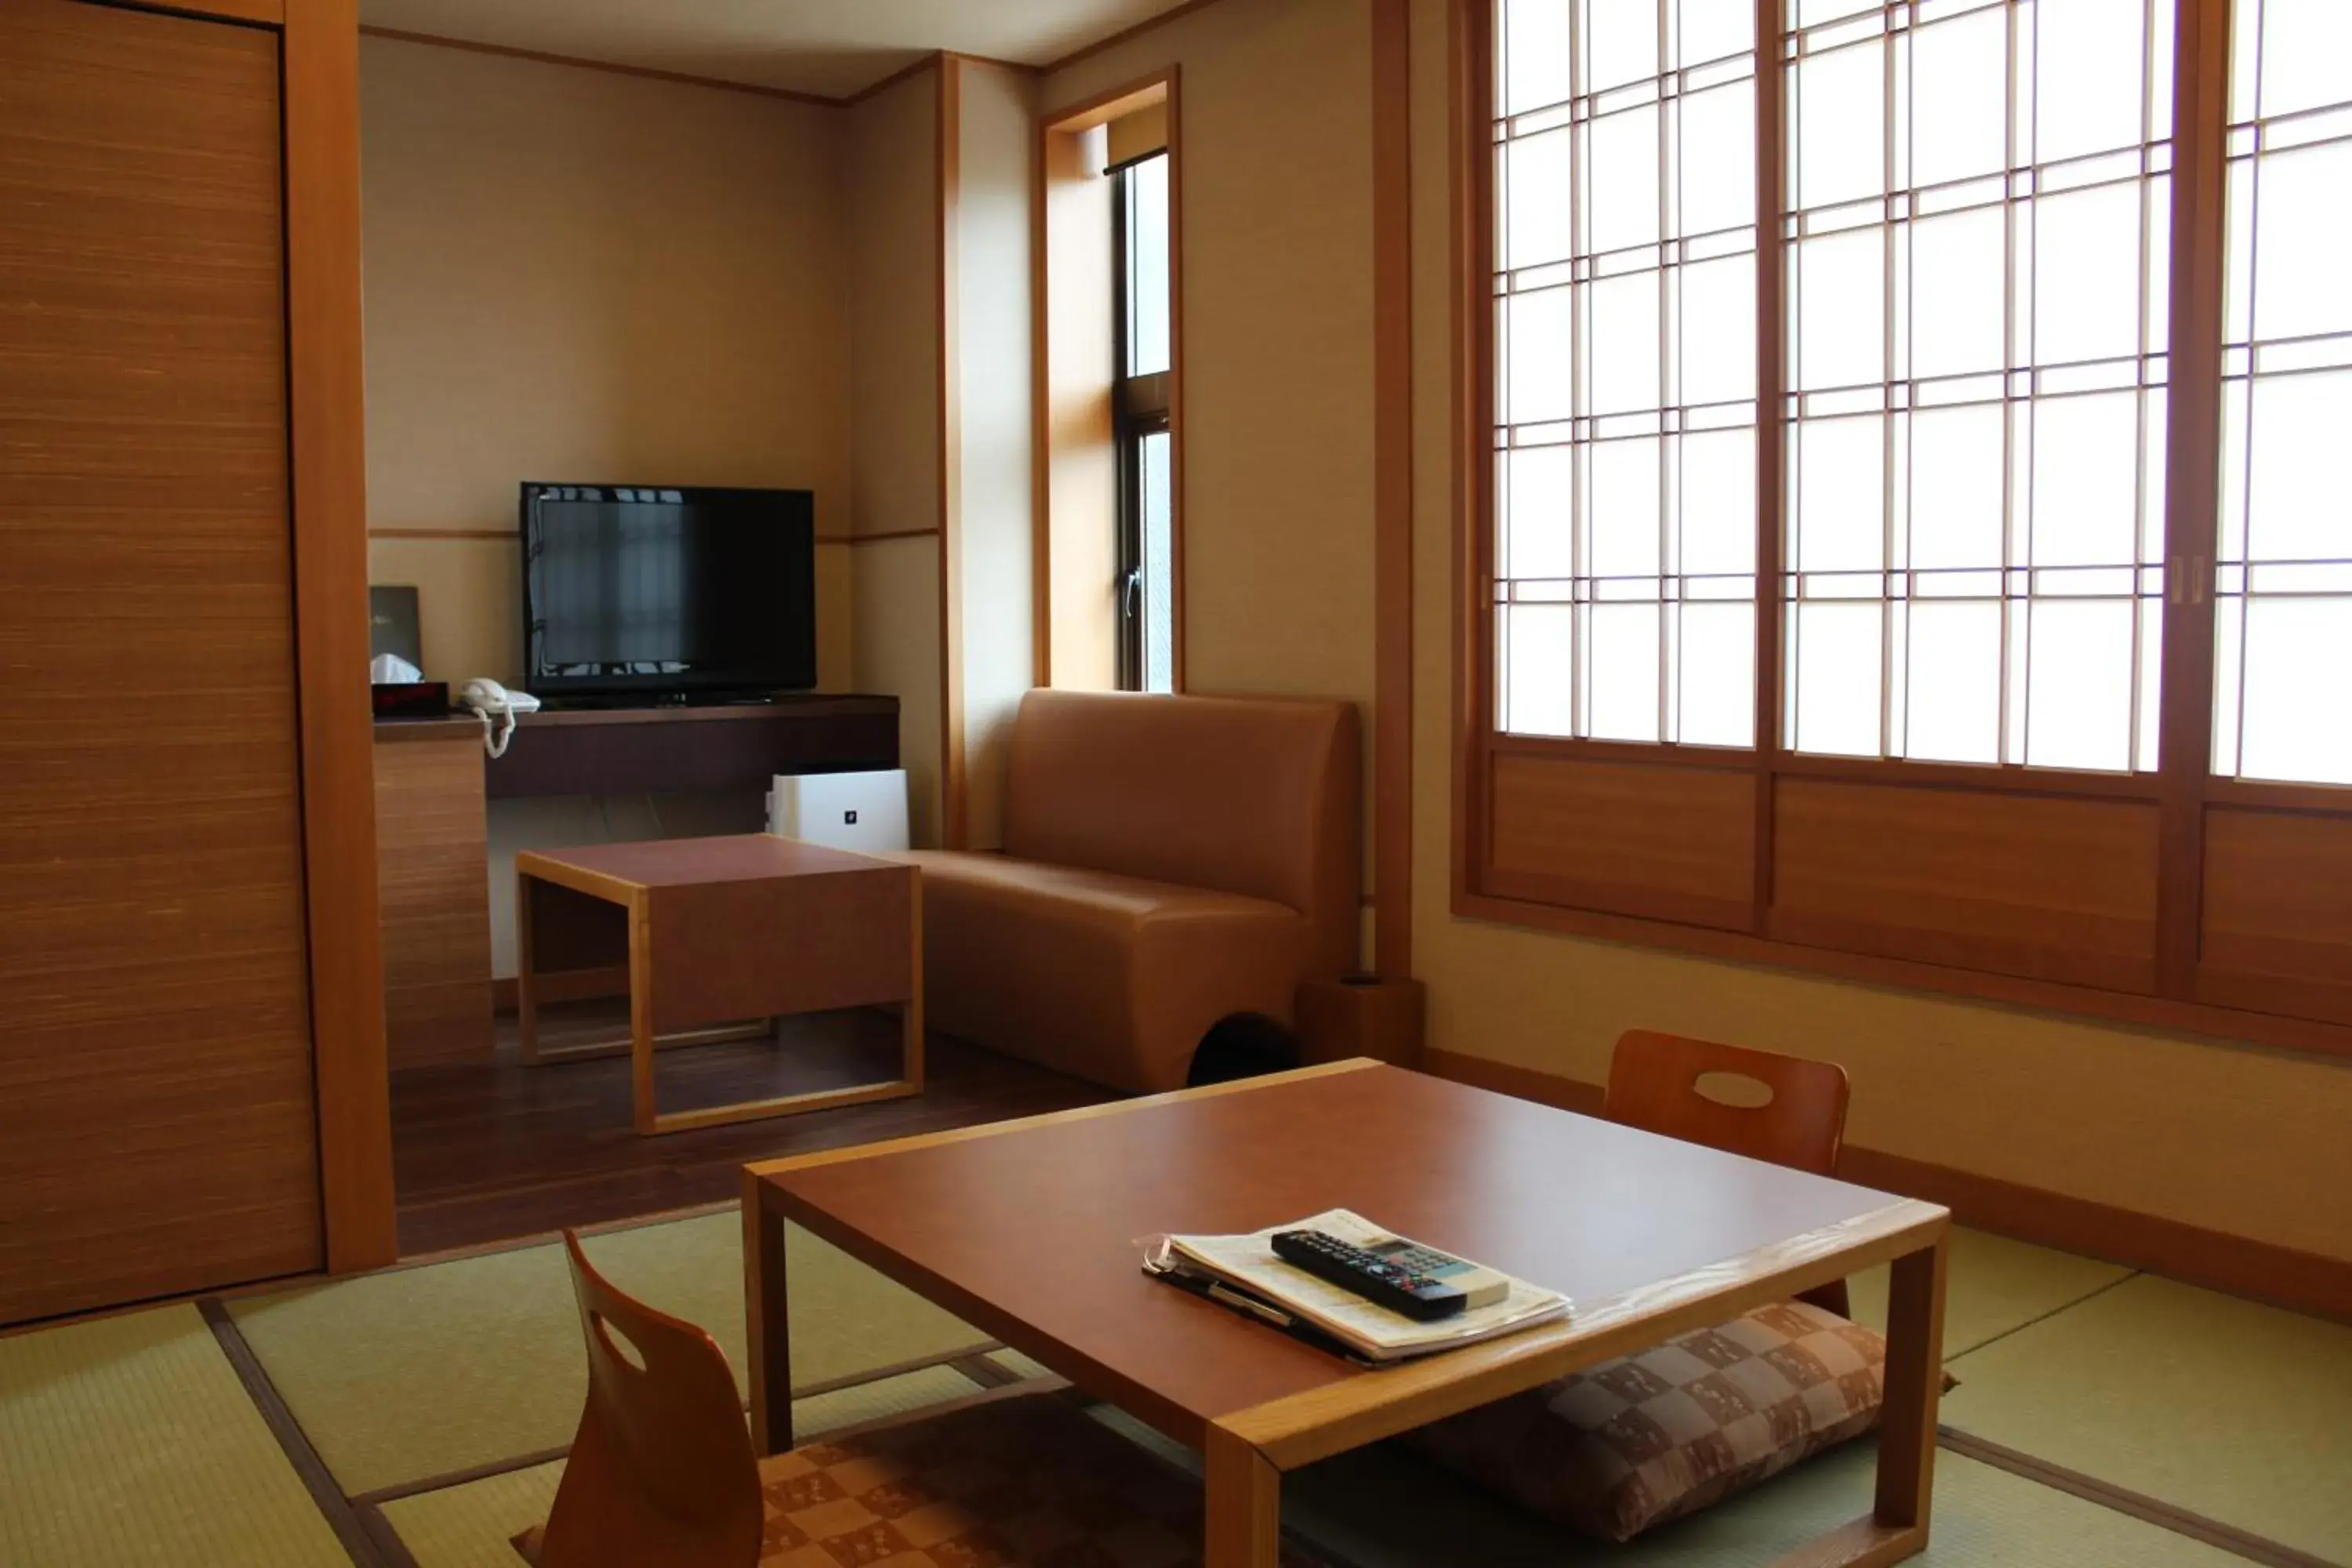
682, 78
2286, 1277
259, 13
1179, 680
954, 813
1392, 485
324, 347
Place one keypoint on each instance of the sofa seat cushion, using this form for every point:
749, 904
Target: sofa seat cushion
1634, 1442
1107, 977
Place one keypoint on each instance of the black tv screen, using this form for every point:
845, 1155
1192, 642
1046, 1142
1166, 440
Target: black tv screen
628, 588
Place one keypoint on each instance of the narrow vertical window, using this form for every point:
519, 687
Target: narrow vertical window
1146, 448
1977, 224
2282, 709
1624, 542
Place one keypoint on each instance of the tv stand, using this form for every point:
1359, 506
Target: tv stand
670, 749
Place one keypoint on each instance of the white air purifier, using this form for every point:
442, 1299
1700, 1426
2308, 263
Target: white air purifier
861, 812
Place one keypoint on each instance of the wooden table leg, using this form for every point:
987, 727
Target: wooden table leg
911, 1044
767, 1327
1915, 1386
1243, 1524
641, 1020
526, 974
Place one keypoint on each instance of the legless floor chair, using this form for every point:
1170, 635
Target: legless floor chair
662, 1473
1655, 1085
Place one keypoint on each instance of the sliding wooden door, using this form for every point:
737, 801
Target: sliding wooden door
158, 1124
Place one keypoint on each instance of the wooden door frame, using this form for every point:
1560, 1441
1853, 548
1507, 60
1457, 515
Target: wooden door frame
326, 453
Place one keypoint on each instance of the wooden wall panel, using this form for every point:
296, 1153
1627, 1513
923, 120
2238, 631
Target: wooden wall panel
2276, 926
2056, 889
1667, 842
158, 1130
432, 847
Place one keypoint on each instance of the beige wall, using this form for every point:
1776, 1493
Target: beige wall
576, 274
1274, 98
2208, 1132
997, 134
894, 216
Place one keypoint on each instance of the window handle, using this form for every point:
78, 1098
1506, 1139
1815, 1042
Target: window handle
1130, 585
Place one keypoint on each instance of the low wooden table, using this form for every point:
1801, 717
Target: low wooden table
720, 930
1030, 1230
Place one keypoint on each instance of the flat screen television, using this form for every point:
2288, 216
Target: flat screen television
659, 591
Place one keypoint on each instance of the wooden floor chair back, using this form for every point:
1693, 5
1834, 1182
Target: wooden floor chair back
662, 1473
1661, 1083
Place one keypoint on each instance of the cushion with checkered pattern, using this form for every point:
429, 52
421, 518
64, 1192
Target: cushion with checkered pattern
1632, 1443
1024, 1481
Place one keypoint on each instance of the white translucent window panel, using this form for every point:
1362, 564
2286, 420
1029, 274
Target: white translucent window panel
2087, 58
1717, 171
1624, 506
1535, 503
1536, 665
1718, 675
1621, 179
1625, 523
1717, 340
1952, 699
1718, 503
1980, 561
1839, 110
2086, 275
1538, 355
1532, 39
1840, 281
2081, 680
1839, 520
1956, 488
1536, 190
1836, 690
1625, 666
1959, 116
2283, 600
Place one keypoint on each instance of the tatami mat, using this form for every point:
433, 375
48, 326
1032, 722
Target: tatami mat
1993, 1286
469, 1526
1384, 1508
399, 1376
130, 1440
1984, 1518
2238, 1412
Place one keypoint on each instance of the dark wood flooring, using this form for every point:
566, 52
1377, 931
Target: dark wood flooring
489, 1153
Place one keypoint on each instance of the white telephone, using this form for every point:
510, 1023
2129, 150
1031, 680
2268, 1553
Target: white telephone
498, 708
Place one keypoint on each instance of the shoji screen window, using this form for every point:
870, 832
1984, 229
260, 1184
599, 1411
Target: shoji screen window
1625, 328
2283, 598
1977, 228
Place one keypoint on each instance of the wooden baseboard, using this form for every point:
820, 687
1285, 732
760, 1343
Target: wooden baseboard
2303, 1281
563, 986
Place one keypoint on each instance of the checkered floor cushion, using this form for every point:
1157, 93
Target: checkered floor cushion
1027, 1481
1634, 1442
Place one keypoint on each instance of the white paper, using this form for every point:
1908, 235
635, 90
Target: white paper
1372, 1331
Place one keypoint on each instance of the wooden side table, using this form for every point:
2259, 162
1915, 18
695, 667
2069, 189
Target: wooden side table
718, 930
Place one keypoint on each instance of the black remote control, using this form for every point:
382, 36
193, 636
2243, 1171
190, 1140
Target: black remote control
1369, 1275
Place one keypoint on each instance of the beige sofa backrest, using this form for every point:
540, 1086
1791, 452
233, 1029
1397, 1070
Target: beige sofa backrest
1247, 795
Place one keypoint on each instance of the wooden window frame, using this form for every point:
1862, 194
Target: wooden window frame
1141, 406
2182, 991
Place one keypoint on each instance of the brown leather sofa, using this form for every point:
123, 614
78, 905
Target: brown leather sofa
1168, 862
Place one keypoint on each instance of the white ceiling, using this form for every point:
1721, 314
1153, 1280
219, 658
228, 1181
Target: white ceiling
831, 48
